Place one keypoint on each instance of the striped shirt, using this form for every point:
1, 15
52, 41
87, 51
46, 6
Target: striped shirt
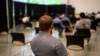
44, 44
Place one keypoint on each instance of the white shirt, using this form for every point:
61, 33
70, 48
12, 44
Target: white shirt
25, 19
97, 16
80, 24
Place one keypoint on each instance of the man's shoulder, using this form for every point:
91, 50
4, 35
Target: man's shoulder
56, 40
34, 38
53, 38
48, 40
88, 20
46, 37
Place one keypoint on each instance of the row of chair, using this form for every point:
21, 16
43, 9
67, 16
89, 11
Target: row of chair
74, 42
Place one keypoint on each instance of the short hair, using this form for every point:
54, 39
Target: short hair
98, 12
45, 22
82, 15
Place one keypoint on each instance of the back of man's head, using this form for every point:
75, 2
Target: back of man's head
82, 15
45, 23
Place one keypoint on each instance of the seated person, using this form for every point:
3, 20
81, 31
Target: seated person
44, 44
25, 19
72, 18
97, 15
57, 23
66, 22
83, 23
97, 18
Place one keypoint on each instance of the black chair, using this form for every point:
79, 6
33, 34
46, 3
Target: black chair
66, 25
18, 39
65, 22
3, 30
75, 42
58, 27
98, 21
73, 19
36, 30
84, 33
93, 25
28, 25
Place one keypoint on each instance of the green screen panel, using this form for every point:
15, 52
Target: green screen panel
50, 2
37, 1
46, 2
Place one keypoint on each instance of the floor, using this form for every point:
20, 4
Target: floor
7, 49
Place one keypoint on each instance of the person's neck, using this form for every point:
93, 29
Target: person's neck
46, 31
81, 18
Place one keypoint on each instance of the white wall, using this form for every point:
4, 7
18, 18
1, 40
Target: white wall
85, 5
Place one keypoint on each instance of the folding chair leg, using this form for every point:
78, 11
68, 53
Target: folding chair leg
24, 51
7, 39
20, 50
70, 53
10, 50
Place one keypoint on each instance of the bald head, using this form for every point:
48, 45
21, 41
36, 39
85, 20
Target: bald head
45, 23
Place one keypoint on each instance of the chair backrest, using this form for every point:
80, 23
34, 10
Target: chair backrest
3, 29
65, 22
75, 42
57, 25
18, 37
93, 25
83, 32
36, 30
27, 24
